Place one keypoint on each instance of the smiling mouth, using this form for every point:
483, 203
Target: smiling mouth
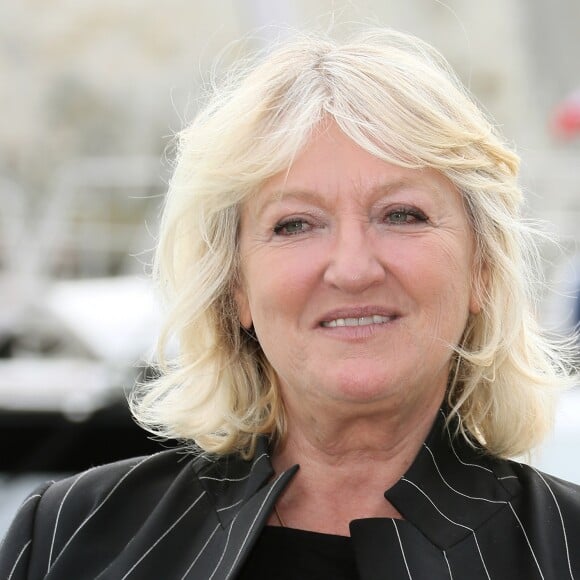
362, 321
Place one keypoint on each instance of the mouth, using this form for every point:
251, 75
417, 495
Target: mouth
357, 321
367, 315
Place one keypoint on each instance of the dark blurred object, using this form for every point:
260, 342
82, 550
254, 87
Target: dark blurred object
565, 121
49, 442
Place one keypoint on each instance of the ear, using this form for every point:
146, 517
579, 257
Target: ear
479, 287
474, 304
243, 305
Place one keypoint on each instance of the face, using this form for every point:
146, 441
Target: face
357, 276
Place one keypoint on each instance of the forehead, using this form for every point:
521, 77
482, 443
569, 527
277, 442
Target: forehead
331, 165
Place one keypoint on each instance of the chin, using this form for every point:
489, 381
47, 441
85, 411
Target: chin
363, 389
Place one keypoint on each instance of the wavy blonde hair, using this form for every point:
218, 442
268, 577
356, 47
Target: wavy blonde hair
396, 97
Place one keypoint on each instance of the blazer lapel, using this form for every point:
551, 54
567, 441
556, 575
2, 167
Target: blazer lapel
244, 498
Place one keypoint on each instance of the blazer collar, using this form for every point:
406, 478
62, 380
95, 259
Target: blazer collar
232, 481
243, 494
452, 486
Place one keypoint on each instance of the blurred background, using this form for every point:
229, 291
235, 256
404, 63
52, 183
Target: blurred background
91, 94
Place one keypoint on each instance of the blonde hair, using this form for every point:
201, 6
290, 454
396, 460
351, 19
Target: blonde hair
396, 97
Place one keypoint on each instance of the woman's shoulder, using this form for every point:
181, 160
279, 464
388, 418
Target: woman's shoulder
137, 481
543, 489
120, 503
93, 484
138, 478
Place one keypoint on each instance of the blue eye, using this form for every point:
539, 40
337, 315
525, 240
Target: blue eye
291, 227
405, 216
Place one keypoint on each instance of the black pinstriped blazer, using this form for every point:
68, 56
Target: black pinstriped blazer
173, 516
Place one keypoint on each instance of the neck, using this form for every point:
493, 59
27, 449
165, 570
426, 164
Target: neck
348, 459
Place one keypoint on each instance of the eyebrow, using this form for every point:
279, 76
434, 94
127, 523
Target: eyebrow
312, 196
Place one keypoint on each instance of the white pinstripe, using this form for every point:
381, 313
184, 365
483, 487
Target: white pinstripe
527, 539
468, 464
455, 490
163, 535
225, 547
144, 460
223, 509
79, 477
433, 504
200, 552
29, 499
274, 485
448, 566
561, 521
18, 512
451, 521
457, 456
402, 551
18, 559
233, 479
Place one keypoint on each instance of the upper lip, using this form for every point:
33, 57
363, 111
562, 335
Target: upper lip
358, 312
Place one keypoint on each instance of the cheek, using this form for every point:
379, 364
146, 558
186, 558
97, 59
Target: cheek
455, 293
279, 285
439, 276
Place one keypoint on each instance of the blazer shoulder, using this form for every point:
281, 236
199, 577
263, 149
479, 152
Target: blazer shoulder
54, 513
15, 547
553, 494
79, 495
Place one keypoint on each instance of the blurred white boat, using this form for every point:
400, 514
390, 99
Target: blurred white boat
79, 347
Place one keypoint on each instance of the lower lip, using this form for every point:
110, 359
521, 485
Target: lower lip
361, 332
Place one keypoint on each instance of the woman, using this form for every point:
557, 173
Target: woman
348, 276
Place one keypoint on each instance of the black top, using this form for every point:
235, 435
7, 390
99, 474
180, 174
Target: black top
290, 554
174, 516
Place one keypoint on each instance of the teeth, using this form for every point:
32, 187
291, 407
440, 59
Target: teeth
362, 321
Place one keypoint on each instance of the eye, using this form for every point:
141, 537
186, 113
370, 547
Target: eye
291, 227
404, 216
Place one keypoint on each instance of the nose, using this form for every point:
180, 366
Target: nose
354, 262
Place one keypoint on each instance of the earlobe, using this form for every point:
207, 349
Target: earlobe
243, 306
474, 304
479, 289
